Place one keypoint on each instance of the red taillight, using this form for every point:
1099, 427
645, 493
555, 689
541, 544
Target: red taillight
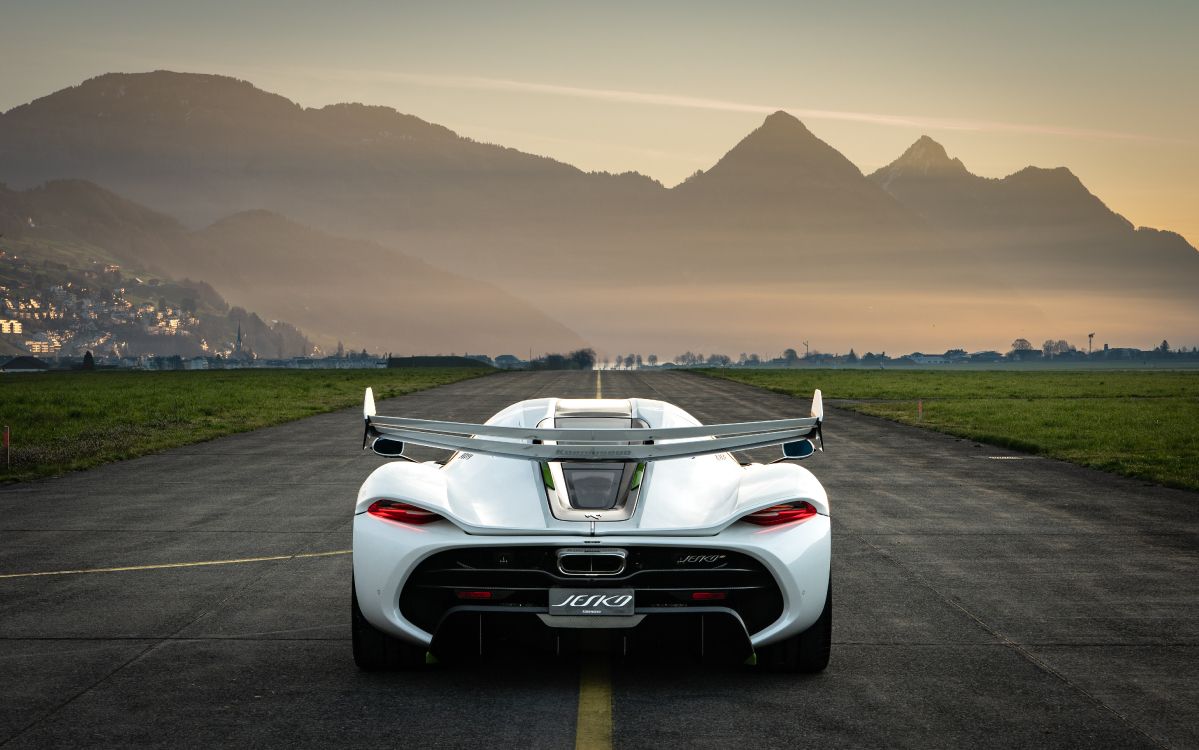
708, 596
777, 514
474, 594
402, 512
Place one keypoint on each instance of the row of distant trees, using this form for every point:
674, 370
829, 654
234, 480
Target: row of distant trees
1050, 348
1021, 350
579, 359
695, 359
629, 361
1061, 347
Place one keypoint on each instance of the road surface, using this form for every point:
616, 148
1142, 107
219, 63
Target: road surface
984, 599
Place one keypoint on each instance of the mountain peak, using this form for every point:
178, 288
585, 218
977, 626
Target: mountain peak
926, 147
155, 95
780, 148
782, 173
925, 158
783, 119
780, 130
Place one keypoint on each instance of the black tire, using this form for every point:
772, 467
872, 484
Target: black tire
807, 652
376, 651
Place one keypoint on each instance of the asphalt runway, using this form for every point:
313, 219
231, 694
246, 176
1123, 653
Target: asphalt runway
983, 599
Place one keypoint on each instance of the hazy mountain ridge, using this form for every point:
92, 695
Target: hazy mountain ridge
783, 216
284, 270
61, 241
80, 210
201, 147
364, 293
944, 192
1044, 219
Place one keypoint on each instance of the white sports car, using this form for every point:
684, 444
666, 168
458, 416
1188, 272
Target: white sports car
563, 524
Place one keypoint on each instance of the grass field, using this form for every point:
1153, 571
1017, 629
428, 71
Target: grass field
74, 420
1140, 424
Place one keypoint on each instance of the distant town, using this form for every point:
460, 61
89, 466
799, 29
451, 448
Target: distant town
60, 313
56, 317
68, 317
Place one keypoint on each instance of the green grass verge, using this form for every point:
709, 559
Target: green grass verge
63, 421
1139, 424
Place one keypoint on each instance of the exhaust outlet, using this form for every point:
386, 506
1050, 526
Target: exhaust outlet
592, 562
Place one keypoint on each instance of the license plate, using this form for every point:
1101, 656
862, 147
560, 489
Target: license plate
600, 602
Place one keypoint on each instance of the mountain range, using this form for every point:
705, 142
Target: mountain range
348, 210
283, 269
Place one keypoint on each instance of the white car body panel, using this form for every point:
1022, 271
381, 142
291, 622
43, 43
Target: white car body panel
692, 504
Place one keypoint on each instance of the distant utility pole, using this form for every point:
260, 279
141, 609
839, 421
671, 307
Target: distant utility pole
1090, 338
805, 350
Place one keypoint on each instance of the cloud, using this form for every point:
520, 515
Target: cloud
919, 122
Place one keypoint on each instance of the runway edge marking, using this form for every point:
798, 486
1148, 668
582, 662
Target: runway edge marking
162, 566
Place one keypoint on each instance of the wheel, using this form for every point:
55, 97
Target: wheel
376, 651
805, 652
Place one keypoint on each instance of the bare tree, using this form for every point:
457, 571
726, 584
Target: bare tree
583, 359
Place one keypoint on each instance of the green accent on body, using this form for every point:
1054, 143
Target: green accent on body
637, 477
546, 476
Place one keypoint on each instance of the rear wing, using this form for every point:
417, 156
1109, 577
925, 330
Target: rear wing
592, 444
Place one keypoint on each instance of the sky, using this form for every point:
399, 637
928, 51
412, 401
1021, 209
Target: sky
1107, 89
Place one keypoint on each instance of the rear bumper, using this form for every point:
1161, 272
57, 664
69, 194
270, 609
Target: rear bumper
406, 577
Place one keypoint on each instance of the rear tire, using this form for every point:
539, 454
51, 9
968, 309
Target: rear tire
807, 652
376, 651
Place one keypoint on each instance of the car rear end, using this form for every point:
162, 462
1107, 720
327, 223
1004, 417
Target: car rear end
713, 597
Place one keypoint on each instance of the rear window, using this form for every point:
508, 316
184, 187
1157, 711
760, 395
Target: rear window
593, 486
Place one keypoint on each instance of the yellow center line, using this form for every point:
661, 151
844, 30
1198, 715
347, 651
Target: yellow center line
593, 727
162, 566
